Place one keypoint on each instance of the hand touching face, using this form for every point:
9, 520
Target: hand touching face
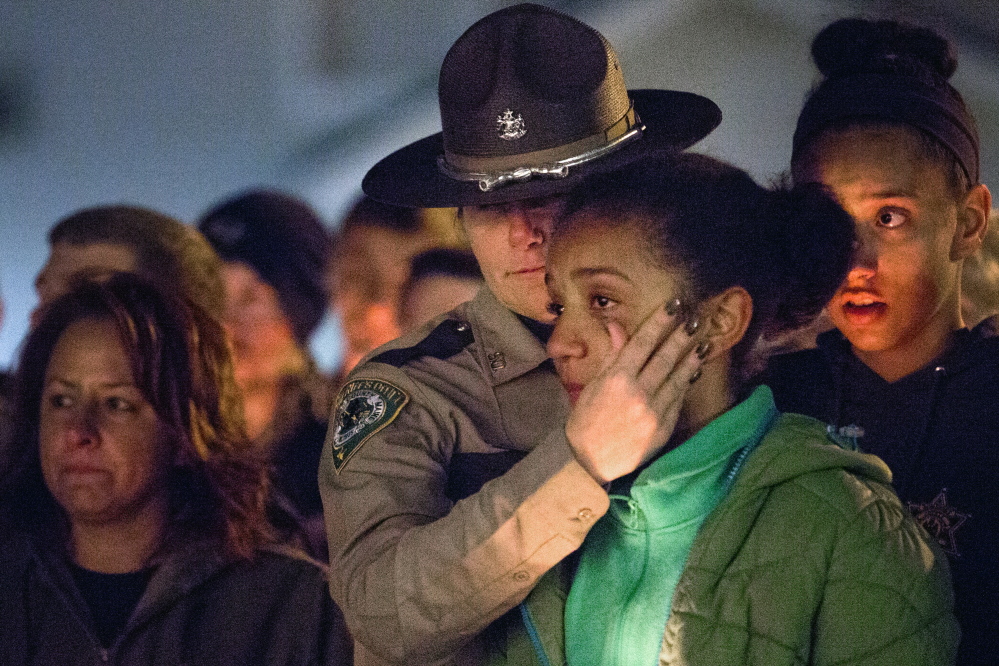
625, 360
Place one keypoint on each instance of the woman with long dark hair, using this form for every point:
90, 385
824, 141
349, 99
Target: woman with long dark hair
136, 517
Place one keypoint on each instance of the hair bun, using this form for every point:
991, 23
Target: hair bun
811, 242
853, 46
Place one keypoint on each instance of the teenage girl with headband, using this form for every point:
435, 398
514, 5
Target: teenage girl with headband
893, 140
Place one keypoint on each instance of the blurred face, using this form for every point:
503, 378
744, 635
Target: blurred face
260, 333
371, 267
510, 241
597, 274
70, 264
435, 295
901, 296
103, 452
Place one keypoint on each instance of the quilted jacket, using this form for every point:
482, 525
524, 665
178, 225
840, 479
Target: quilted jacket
810, 559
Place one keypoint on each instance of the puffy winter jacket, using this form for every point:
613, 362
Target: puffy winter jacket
937, 429
810, 559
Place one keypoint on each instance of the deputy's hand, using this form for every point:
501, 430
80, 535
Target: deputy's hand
626, 415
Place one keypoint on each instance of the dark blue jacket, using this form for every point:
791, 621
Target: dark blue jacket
200, 607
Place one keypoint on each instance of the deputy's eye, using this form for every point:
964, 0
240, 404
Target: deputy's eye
555, 309
891, 218
60, 400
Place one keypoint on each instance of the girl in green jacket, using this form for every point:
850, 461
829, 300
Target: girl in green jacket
736, 535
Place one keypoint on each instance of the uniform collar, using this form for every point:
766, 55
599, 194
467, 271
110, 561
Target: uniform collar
507, 348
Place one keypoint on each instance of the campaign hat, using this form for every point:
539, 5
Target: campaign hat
531, 101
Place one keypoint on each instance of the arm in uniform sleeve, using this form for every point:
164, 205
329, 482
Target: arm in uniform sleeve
417, 577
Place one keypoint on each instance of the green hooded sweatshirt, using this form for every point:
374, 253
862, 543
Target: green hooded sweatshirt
808, 559
633, 557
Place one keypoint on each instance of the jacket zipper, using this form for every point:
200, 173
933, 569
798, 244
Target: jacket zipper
532, 633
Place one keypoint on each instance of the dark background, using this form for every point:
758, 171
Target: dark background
175, 104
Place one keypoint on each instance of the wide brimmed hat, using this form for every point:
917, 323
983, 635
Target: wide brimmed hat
531, 101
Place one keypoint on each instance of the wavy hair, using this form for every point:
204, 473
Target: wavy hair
181, 363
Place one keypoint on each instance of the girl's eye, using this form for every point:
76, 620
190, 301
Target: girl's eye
891, 219
117, 404
555, 309
60, 400
602, 302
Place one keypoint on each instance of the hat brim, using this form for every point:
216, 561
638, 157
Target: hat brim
410, 176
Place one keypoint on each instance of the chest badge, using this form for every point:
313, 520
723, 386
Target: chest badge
497, 361
941, 520
510, 127
364, 406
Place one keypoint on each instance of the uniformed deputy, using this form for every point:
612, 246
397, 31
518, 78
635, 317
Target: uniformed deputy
448, 483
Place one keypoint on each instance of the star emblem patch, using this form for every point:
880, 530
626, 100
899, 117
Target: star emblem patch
941, 520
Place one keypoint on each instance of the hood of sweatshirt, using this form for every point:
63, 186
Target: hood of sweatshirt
971, 348
798, 445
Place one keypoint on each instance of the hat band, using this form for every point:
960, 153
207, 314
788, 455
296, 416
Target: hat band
491, 172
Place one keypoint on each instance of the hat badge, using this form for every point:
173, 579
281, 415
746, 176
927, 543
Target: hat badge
510, 127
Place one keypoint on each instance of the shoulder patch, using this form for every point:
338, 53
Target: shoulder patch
363, 407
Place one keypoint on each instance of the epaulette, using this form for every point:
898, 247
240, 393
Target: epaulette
449, 338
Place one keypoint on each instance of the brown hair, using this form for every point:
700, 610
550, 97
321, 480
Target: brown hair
168, 252
181, 364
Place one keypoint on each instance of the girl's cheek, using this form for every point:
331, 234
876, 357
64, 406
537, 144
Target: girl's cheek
617, 334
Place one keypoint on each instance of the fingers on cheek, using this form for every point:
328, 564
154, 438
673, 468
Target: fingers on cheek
618, 336
692, 364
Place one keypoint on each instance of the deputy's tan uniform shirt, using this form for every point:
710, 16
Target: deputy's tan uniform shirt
418, 576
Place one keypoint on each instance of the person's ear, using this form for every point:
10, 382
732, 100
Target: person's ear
972, 222
728, 315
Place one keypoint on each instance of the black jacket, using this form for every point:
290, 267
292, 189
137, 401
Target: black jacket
199, 608
938, 431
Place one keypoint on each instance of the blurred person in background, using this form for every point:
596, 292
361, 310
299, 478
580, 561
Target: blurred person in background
374, 246
93, 243
902, 376
276, 252
439, 280
134, 507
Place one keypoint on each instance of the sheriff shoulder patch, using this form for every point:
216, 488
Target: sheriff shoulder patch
364, 406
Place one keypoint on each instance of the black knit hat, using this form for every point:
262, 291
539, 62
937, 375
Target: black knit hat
532, 100
283, 239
